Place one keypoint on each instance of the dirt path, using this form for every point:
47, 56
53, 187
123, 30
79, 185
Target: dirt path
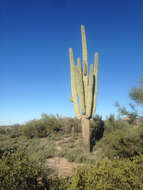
61, 166
58, 147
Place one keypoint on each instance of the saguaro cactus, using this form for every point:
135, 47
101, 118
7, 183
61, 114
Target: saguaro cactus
84, 89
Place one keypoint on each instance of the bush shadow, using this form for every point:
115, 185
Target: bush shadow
97, 131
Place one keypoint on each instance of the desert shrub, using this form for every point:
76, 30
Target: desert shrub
125, 174
35, 128
65, 125
121, 142
73, 151
8, 131
75, 155
140, 122
17, 171
52, 123
69, 124
14, 132
140, 131
111, 124
2, 131
29, 131
41, 130
6, 150
55, 183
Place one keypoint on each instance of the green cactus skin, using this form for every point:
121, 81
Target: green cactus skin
96, 83
85, 63
83, 86
90, 93
84, 48
70, 99
84, 89
73, 84
80, 86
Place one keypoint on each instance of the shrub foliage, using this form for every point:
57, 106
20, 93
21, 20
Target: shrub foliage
109, 175
17, 171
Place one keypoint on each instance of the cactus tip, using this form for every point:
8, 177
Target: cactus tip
82, 26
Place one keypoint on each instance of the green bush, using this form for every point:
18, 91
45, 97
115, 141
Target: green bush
121, 142
111, 175
41, 128
111, 124
2, 131
60, 124
14, 133
69, 124
53, 123
29, 131
35, 128
50, 124
18, 172
75, 155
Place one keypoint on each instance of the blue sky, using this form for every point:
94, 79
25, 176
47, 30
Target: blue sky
34, 62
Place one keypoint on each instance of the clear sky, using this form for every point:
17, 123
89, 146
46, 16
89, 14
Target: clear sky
34, 61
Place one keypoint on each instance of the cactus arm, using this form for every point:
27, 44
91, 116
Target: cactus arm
96, 83
96, 62
73, 84
70, 99
85, 63
84, 49
90, 93
80, 87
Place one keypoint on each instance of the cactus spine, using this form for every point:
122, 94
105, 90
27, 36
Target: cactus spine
84, 89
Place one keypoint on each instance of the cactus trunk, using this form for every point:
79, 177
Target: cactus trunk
84, 89
85, 124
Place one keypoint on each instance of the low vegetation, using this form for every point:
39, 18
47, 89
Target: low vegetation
116, 161
17, 171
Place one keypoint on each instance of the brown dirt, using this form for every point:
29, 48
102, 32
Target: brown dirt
66, 138
61, 166
57, 145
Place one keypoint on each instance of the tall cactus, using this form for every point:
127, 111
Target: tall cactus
84, 89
